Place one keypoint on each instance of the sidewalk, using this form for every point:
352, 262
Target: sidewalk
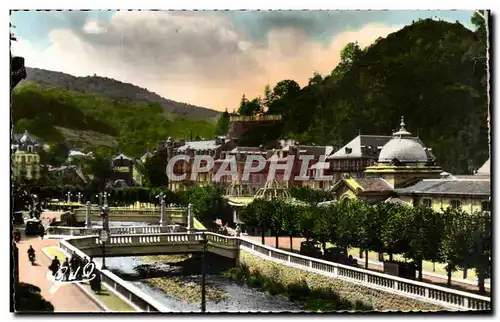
68, 298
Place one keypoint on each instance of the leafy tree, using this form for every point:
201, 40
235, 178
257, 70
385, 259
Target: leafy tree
372, 221
453, 249
425, 229
222, 125
268, 98
207, 202
349, 223
306, 222
249, 108
349, 55
290, 222
480, 246
309, 195
393, 234
100, 166
322, 225
156, 170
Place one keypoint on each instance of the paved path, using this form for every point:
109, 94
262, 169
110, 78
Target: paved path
284, 243
69, 298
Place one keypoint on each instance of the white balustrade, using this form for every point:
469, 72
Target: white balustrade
446, 297
431, 293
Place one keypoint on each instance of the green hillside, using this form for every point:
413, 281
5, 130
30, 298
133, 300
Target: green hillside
89, 120
432, 72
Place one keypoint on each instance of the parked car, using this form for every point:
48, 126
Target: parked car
34, 227
309, 248
18, 218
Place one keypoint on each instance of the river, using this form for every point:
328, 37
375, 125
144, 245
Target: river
241, 297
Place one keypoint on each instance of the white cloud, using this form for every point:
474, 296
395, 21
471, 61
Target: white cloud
201, 59
93, 27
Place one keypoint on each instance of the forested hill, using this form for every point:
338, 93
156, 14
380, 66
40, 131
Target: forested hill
432, 72
73, 120
114, 89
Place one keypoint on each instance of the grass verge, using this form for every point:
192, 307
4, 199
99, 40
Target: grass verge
107, 297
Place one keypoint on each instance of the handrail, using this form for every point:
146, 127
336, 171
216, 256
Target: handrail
405, 287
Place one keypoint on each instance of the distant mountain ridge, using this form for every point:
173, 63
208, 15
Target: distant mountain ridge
114, 89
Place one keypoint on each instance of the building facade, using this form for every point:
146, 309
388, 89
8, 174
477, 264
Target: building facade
25, 156
406, 173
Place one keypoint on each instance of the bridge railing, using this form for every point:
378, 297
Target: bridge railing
409, 288
82, 231
133, 211
130, 292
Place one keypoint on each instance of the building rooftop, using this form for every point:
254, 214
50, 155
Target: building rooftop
121, 156
385, 147
354, 149
247, 149
199, 145
485, 169
453, 186
404, 148
374, 184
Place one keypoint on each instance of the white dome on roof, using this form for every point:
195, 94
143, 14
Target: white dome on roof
403, 148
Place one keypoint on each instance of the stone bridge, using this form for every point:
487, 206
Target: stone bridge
183, 242
157, 244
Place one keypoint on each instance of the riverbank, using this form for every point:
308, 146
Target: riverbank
189, 291
176, 283
180, 288
317, 293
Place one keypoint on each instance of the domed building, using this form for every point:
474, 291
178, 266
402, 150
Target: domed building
406, 173
404, 160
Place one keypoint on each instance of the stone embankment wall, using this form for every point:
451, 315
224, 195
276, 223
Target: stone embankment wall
378, 300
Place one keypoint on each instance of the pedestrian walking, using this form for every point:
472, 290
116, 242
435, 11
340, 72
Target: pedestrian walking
54, 266
68, 269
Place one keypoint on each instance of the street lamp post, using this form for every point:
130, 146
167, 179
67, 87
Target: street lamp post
105, 217
161, 196
69, 196
100, 199
79, 195
203, 273
104, 232
104, 238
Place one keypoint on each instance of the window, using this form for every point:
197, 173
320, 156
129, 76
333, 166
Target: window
486, 206
455, 204
427, 203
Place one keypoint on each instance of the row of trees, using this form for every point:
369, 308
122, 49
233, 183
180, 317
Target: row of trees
453, 237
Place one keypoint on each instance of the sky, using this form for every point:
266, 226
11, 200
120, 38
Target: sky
205, 58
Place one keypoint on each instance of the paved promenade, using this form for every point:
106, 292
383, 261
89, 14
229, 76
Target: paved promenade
68, 298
